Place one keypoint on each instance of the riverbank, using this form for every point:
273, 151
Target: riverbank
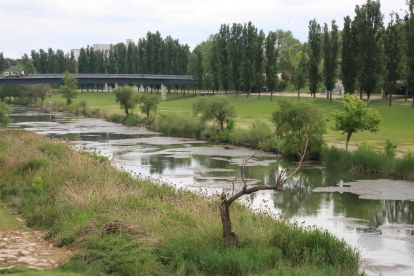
396, 123
126, 226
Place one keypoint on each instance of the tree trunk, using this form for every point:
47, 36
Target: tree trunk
126, 111
360, 93
369, 96
330, 97
390, 99
147, 112
327, 94
298, 94
314, 95
271, 96
347, 140
230, 238
259, 94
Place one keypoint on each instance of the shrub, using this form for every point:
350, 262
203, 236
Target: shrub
37, 185
54, 149
34, 164
7, 191
116, 118
132, 120
183, 125
389, 149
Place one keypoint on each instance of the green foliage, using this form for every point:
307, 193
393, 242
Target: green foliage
4, 119
389, 149
330, 54
316, 247
217, 108
126, 97
7, 191
37, 185
149, 103
349, 70
272, 53
132, 120
369, 30
367, 159
297, 121
300, 74
281, 85
315, 55
68, 90
356, 117
34, 164
259, 136
183, 125
54, 149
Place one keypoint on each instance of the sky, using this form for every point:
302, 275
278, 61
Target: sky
72, 24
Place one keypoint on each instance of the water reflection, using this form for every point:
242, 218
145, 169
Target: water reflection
382, 229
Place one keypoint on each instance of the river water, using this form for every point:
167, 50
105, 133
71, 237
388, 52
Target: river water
383, 230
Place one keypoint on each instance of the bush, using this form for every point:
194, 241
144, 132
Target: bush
54, 149
116, 118
184, 125
7, 191
34, 164
132, 120
259, 136
37, 185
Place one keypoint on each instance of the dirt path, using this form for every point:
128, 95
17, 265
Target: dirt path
25, 248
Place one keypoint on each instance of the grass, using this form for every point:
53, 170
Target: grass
397, 125
8, 220
124, 225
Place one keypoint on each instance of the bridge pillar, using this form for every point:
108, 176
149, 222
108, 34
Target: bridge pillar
163, 93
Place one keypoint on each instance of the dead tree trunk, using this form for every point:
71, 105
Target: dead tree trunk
230, 238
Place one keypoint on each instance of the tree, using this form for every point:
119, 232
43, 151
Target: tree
230, 238
42, 62
217, 108
271, 62
348, 65
60, 61
235, 55
299, 124
69, 89
125, 97
4, 111
356, 117
223, 56
51, 61
1, 62
285, 63
300, 75
149, 103
409, 34
258, 62
330, 53
369, 28
35, 91
315, 55
393, 46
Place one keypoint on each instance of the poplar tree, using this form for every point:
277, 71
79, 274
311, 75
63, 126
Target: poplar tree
42, 62
348, 65
214, 63
409, 34
330, 53
300, 74
51, 61
2, 65
393, 44
369, 27
223, 56
271, 62
235, 55
315, 55
60, 62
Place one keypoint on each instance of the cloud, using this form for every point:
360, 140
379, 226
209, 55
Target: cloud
65, 24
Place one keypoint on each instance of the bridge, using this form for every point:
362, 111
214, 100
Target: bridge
163, 80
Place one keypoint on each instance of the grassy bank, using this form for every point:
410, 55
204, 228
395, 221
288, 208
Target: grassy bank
137, 226
369, 160
397, 125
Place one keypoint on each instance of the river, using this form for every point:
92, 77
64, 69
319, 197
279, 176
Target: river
383, 230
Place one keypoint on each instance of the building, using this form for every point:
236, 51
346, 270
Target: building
76, 53
129, 41
101, 47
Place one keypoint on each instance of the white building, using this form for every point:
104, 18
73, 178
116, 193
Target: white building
101, 47
76, 53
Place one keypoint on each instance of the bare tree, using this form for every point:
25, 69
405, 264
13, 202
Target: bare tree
230, 238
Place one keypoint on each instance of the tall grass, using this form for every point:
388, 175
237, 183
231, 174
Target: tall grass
369, 160
132, 225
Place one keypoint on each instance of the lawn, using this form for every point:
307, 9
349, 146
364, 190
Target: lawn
396, 126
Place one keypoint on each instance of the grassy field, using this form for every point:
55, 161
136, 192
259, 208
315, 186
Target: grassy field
122, 225
397, 126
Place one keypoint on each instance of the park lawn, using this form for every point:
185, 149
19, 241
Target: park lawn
9, 221
396, 126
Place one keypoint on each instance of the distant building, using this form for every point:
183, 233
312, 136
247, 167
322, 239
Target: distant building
76, 53
101, 47
129, 41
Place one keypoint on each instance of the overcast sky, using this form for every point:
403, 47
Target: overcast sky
72, 24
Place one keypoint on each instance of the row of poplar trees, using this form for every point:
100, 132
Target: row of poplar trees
371, 55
